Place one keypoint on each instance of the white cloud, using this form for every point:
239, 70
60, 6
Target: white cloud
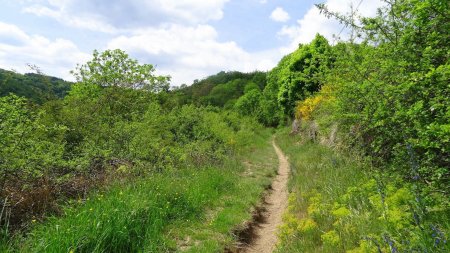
11, 34
194, 11
172, 34
279, 15
55, 57
191, 52
314, 22
118, 15
85, 21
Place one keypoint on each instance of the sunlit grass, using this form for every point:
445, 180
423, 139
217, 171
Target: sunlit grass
190, 209
338, 203
232, 210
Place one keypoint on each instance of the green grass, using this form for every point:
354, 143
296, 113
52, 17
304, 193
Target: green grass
338, 203
193, 210
232, 210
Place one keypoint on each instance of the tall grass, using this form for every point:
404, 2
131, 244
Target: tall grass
232, 211
130, 218
161, 212
339, 204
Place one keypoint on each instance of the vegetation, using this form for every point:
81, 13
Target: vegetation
122, 162
382, 106
222, 89
36, 87
185, 155
139, 216
365, 212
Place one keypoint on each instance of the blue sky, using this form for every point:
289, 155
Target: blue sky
186, 39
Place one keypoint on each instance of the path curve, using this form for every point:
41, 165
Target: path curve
275, 204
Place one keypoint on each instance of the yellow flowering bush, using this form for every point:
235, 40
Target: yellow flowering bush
331, 239
293, 226
341, 212
317, 206
288, 229
305, 109
290, 222
307, 226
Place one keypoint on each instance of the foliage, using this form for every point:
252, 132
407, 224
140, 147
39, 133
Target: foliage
248, 104
394, 88
36, 87
221, 90
301, 73
365, 212
387, 95
28, 148
131, 218
389, 98
118, 124
114, 68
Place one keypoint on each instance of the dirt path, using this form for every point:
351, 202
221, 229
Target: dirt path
265, 233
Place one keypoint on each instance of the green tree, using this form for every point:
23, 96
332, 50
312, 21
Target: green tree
36, 87
395, 87
112, 92
28, 148
301, 73
248, 104
114, 68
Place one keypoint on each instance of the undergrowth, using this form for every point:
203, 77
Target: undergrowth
338, 203
158, 213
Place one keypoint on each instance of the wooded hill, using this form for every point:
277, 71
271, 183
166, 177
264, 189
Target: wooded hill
36, 87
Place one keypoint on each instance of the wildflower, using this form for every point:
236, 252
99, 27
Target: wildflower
391, 244
307, 225
341, 212
331, 238
438, 235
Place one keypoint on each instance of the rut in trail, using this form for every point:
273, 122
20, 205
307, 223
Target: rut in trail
265, 233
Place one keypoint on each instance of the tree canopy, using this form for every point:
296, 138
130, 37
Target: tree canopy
114, 68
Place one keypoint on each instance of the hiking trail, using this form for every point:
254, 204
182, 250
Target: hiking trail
266, 230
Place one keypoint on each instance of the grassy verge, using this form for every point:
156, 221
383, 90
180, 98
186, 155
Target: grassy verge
338, 203
254, 172
192, 210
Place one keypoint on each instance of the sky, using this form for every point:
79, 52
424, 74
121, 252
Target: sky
186, 39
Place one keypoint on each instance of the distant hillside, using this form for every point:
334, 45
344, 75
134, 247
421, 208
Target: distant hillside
222, 89
38, 88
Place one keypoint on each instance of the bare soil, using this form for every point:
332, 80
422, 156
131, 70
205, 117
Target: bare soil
264, 230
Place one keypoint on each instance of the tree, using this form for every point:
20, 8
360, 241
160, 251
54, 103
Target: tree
27, 147
304, 73
114, 68
395, 87
248, 104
